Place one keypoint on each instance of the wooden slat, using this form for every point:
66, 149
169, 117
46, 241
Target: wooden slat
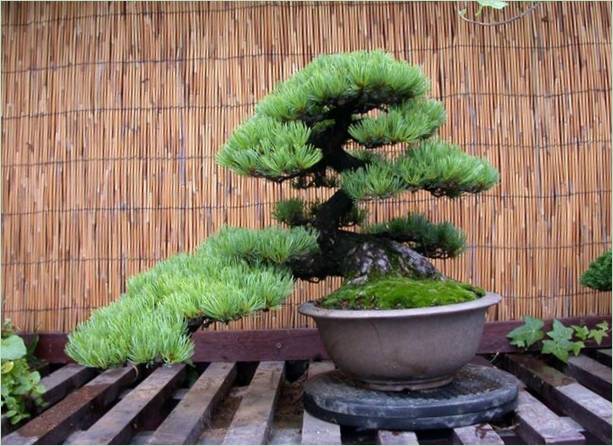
76, 410
602, 355
252, 421
63, 380
591, 373
396, 437
73, 435
57, 385
587, 408
476, 434
563, 393
188, 419
117, 426
294, 344
314, 430
143, 437
572, 423
539, 425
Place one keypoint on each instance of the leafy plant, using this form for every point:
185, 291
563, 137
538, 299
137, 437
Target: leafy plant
528, 334
495, 5
598, 275
434, 240
598, 333
20, 385
562, 340
561, 343
484, 4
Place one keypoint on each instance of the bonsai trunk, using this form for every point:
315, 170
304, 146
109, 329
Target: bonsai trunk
356, 256
342, 253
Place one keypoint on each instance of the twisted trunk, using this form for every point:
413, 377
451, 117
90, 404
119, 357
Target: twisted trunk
356, 256
348, 254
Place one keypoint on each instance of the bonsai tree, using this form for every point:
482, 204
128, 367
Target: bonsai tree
318, 129
598, 275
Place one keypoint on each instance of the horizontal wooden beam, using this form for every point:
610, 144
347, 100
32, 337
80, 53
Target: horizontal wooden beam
296, 344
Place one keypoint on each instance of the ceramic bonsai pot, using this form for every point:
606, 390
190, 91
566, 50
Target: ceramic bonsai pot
411, 349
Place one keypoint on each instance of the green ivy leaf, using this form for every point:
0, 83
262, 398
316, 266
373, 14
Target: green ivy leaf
529, 333
20, 385
597, 335
7, 366
560, 332
576, 347
603, 326
599, 332
13, 348
561, 348
495, 4
581, 331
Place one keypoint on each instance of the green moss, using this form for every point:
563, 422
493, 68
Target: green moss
395, 292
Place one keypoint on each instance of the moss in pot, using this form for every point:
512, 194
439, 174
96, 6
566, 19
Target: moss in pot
397, 322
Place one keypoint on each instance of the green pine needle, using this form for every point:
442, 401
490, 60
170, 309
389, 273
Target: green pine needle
405, 123
291, 212
376, 180
295, 212
598, 275
442, 240
234, 273
366, 79
269, 148
444, 169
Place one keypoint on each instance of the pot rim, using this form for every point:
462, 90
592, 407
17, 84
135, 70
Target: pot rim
310, 309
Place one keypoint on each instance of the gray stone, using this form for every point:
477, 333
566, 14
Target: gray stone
478, 394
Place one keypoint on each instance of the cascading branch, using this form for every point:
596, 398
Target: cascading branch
235, 272
307, 132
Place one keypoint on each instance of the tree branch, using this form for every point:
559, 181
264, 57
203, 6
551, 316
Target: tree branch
330, 213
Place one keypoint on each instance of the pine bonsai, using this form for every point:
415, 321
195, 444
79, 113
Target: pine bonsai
598, 275
317, 129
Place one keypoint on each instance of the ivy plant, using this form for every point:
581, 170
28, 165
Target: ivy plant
560, 341
495, 5
21, 386
528, 334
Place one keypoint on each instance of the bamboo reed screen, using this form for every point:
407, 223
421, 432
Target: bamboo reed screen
113, 112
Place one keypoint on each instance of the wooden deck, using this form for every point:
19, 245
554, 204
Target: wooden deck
260, 403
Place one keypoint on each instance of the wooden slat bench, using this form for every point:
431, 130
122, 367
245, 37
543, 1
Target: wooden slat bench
240, 403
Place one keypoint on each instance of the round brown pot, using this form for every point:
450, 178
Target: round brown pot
411, 349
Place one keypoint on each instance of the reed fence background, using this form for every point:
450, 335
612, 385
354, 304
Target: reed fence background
113, 112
